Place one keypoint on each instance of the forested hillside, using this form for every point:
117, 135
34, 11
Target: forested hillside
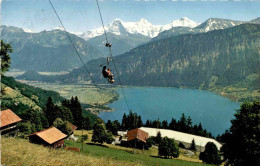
14, 94
221, 57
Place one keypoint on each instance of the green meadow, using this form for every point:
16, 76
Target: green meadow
86, 93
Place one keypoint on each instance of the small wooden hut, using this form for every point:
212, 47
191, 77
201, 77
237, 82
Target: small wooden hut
8, 123
51, 137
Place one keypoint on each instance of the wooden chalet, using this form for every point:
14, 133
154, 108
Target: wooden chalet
71, 134
8, 123
51, 137
137, 138
73, 128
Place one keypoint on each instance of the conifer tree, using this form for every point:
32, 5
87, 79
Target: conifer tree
193, 145
123, 126
158, 138
5, 57
165, 124
50, 111
139, 122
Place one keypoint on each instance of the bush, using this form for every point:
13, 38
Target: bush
100, 134
109, 138
168, 148
211, 154
181, 145
63, 126
149, 142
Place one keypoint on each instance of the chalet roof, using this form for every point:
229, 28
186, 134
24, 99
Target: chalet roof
73, 127
50, 135
8, 117
137, 134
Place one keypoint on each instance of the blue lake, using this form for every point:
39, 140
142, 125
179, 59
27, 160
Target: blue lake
213, 111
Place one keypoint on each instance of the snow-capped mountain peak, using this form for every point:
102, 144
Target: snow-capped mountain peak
143, 21
28, 30
116, 21
217, 23
184, 22
143, 27
116, 27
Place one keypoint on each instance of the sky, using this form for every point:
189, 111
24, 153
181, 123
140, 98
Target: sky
82, 15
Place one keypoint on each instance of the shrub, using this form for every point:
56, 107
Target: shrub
211, 154
181, 145
168, 148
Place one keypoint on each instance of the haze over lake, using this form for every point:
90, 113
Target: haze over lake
213, 111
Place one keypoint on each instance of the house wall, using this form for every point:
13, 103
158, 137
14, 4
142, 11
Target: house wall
37, 140
58, 144
9, 130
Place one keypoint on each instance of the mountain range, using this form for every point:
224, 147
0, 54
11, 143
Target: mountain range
127, 35
209, 25
216, 58
51, 50
47, 50
142, 27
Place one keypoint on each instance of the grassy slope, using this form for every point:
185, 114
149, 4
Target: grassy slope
15, 151
124, 153
38, 95
13, 95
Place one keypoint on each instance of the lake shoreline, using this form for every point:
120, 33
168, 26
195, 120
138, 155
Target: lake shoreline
167, 102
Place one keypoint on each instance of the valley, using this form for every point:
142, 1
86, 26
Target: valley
184, 89
87, 93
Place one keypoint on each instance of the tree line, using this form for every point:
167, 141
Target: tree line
133, 121
55, 115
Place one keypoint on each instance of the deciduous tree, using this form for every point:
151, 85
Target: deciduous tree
168, 148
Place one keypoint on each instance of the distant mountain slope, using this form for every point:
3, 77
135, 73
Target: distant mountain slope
120, 43
208, 25
255, 21
211, 60
228, 57
47, 50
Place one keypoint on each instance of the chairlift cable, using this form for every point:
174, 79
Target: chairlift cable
110, 52
76, 50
